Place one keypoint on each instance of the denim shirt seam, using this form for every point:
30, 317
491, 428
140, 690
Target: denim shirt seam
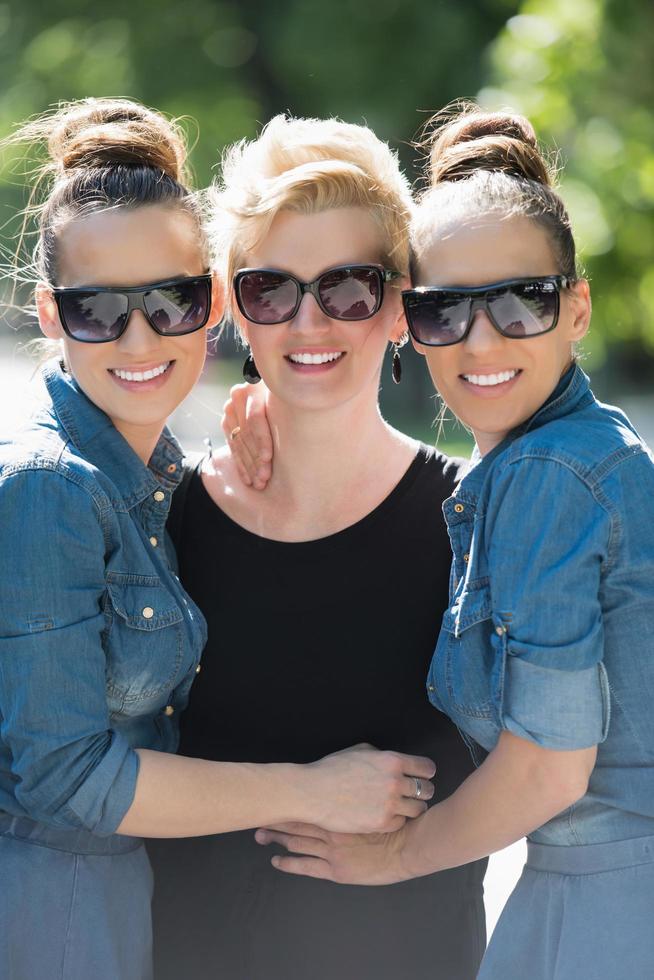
59, 467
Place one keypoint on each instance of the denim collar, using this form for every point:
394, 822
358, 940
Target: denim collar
572, 391
93, 433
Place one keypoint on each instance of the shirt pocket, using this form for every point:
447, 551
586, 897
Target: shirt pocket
466, 656
144, 640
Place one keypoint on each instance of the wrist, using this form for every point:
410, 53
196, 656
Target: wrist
300, 799
412, 858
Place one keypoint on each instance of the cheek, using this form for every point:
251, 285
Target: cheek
443, 367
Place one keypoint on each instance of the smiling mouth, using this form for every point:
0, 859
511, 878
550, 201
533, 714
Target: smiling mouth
325, 358
141, 375
490, 380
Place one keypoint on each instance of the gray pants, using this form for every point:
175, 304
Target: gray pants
578, 913
72, 906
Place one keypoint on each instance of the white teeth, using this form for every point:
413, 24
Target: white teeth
315, 358
490, 379
141, 375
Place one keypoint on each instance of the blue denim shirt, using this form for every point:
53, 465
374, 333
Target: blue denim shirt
99, 643
549, 630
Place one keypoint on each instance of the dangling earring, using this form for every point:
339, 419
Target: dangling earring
250, 372
396, 363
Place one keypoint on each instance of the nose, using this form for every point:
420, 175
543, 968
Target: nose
309, 317
139, 337
482, 335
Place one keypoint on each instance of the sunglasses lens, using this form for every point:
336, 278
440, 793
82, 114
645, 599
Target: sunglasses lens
93, 317
437, 319
179, 308
351, 294
267, 297
525, 309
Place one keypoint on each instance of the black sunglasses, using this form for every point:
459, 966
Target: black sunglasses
347, 292
99, 314
438, 316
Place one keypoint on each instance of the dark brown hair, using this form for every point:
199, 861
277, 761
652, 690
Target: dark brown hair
491, 163
101, 153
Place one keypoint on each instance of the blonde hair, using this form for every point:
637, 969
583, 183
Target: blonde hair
307, 166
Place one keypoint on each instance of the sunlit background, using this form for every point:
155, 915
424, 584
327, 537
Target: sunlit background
581, 69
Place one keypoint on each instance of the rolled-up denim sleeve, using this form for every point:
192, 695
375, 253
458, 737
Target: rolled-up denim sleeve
67, 765
547, 541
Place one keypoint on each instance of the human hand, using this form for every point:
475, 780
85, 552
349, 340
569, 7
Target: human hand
363, 790
248, 435
349, 859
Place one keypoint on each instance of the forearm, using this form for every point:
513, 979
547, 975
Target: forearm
181, 797
355, 790
518, 788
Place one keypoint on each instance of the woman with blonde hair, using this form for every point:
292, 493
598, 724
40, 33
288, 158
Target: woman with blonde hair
99, 643
322, 595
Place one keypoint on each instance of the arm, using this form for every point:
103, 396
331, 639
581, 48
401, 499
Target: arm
553, 711
518, 787
181, 797
70, 768
248, 434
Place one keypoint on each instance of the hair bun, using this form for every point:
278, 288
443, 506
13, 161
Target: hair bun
496, 141
110, 132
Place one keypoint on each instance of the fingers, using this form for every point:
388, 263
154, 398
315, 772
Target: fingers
297, 828
260, 438
416, 788
294, 843
417, 765
394, 823
248, 435
310, 866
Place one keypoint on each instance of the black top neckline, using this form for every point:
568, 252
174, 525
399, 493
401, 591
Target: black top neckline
342, 537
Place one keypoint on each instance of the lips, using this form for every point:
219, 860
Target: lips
315, 358
147, 375
490, 380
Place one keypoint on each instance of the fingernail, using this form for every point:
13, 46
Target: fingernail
275, 862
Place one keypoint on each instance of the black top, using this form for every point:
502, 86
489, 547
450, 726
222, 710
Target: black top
315, 646
330, 639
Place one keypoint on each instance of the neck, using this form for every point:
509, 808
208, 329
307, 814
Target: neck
142, 439
329, 461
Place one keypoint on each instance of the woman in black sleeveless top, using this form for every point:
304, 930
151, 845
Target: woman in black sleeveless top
323, 595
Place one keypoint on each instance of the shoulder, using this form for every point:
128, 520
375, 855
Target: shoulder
589, 444
40, 457
442, 471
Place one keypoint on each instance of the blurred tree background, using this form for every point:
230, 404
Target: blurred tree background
581, 69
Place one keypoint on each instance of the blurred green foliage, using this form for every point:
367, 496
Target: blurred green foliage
581, 69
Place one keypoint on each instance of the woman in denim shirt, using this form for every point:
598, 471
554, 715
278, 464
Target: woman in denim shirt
544, 656
98, 642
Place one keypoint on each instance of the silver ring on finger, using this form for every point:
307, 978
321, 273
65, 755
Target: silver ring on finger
418, 792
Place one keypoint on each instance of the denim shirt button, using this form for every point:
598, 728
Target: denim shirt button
198, 668
459, 508
159, 495
169, 710
466, 557
154, 541
431, 688
148, 612
172, 468
500, 630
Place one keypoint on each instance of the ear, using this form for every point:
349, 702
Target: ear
418, 348
578, 296
400, 328
48, 313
